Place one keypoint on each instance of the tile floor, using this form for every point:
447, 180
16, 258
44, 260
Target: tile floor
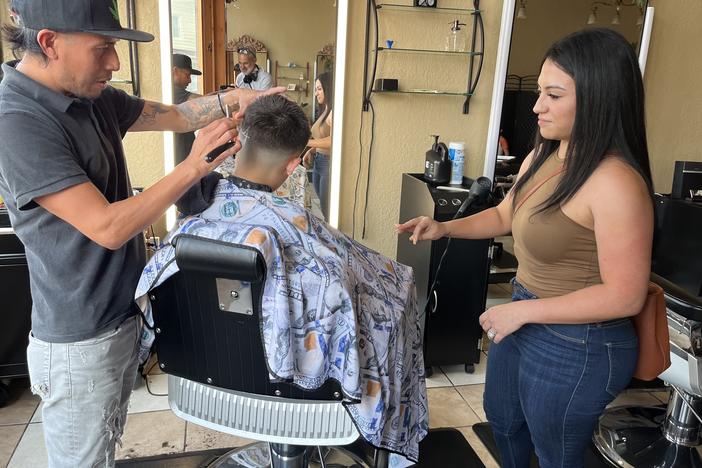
455, 400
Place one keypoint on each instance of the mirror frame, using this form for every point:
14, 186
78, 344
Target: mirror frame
342, 22
342, 14
501, 63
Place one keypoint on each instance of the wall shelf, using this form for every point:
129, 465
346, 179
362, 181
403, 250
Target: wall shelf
425, 91
414, 9
426, 51
301, 81
374, 50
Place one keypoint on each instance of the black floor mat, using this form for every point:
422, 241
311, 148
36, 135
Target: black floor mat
447, 448
484, 433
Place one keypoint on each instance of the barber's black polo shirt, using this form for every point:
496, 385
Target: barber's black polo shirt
49, 142
183, 142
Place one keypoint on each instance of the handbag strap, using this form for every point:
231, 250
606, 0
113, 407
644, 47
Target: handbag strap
537, 187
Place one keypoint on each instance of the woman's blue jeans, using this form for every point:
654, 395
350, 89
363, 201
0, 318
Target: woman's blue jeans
320, 181
547, 385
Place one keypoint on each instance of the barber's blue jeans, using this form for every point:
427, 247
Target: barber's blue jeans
547, 385
320, 181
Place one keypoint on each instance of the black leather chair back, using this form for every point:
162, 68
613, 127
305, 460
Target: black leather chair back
678, 243
199, 338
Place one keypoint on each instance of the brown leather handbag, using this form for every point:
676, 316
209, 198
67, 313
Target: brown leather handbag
651, 326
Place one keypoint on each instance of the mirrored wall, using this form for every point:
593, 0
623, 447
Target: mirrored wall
529, 28
278, 43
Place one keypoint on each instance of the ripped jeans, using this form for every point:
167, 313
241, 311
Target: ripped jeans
85, 387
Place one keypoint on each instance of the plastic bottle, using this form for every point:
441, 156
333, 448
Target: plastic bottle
456, 39
457, 157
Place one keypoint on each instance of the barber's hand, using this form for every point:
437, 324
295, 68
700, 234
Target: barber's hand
503, 320
241, 98
308, 158
208, 138
422, 228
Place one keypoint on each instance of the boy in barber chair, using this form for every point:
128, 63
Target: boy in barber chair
331, 307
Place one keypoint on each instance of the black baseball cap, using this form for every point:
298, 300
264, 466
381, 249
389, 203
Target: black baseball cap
184, 62
99, 17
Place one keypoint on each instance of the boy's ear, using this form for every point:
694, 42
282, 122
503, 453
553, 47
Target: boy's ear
292, 164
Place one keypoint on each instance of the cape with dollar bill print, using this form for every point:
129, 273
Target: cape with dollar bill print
331, 309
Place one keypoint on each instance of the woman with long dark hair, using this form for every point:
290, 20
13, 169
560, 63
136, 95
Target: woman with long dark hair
320, 143
581, 214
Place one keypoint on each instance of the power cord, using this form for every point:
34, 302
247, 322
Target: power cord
368, 171
358, 177
146, 380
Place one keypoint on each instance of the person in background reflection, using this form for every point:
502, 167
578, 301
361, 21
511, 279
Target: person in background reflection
503, 147
320, 143
251, 75
182, 71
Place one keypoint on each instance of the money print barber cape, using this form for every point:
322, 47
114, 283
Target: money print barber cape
331, 308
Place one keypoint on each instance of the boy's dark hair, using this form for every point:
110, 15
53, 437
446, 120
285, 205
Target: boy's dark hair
274, 124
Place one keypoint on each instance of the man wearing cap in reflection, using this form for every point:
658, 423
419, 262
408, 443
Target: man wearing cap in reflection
182, 71
251, 76
64, 181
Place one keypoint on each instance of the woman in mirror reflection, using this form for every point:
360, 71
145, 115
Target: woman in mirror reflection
320, 143
581, 213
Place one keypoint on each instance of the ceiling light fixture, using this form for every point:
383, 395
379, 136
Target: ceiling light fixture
521, 13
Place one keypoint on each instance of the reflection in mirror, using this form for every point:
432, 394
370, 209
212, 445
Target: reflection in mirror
186, 70
534, 26
294, 46
298, 44
243, 46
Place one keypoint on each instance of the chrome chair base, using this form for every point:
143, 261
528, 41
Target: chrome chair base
632, 437
260, 455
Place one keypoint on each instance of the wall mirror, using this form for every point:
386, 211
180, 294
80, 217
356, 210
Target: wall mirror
295, 43
528, 28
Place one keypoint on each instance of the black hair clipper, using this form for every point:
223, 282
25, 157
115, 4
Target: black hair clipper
212, 155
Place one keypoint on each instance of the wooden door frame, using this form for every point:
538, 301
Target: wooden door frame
213, 34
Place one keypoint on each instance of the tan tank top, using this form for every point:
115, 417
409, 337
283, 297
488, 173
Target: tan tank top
556, 255
321, 129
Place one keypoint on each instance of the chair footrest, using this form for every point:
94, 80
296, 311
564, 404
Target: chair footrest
260, 417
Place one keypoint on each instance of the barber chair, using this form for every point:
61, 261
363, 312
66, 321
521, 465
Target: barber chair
208, 341
668, 436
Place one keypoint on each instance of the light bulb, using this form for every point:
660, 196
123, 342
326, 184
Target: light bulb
592, 19
615, 20
521, 14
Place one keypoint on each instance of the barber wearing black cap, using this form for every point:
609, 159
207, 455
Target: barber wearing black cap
182, 71
64, 180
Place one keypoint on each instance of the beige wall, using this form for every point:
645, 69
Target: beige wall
549, 20
293, 31
404, 122
4, 18
674, 88
144, 150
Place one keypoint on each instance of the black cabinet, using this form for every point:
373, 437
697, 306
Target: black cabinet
16, 300
452, 332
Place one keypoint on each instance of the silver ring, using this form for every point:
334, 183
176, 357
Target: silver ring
491, 334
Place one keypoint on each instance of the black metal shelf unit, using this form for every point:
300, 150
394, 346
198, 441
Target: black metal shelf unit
474, 66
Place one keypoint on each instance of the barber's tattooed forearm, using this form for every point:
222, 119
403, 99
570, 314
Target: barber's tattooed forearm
199, 112
151, 111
